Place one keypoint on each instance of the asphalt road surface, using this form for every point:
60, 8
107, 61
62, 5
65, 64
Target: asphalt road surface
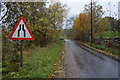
82, 62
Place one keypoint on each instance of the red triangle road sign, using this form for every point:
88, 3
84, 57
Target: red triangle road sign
21, 31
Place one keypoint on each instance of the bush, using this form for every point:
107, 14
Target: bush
110, 44
5, 64
32, 46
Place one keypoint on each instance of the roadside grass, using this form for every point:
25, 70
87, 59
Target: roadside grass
63, 37
109, 34
104, 48
39, 62
0, 44
0, 57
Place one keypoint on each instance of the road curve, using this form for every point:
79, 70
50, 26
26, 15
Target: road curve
87, 63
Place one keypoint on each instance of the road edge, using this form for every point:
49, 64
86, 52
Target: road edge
100, 51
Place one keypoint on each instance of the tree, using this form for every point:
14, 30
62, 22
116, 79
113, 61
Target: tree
82, 27
113, 22
41, 19
97, 14
70, 22
104, 25
44, 22
68, 31
119, 25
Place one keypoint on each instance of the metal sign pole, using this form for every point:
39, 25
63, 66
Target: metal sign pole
21, 62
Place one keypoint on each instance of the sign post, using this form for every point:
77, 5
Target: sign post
21, 61
21, 32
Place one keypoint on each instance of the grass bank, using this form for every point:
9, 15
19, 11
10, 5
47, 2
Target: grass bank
114, 51
39, 62
63, 37
109, 34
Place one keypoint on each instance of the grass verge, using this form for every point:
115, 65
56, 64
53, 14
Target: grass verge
111, 51
63, 37
39, 62
109, 34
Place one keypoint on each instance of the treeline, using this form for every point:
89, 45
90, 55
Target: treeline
81, 28
45, 21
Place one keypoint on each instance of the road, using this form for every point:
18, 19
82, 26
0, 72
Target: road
82, 62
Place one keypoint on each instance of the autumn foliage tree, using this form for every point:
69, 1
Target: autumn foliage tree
82, 24
82, 27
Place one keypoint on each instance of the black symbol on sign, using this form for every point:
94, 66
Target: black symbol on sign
22, 30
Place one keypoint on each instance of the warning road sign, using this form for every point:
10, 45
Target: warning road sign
21, 31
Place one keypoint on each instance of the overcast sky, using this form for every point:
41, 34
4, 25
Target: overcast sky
77, 6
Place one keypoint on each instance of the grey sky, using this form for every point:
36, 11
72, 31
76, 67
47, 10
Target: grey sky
77, 6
